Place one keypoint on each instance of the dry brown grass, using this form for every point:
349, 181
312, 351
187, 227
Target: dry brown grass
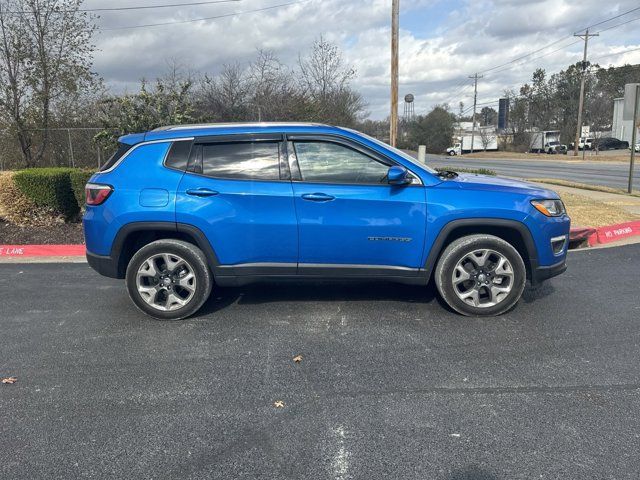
18, 209
586, 212
583, 186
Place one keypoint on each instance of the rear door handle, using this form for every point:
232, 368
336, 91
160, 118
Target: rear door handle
202, 192
318, 197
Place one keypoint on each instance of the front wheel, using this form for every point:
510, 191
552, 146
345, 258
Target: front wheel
169, 279
480, 275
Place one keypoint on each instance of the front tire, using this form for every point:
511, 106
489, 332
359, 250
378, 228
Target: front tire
169, 279
480, 275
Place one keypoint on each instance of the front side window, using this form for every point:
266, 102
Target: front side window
242, 161
325, 162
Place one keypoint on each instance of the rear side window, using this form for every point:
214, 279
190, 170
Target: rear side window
243, 161
119, 153
178, 155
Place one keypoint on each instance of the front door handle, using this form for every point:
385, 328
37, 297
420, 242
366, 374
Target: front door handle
318, 197
202, 192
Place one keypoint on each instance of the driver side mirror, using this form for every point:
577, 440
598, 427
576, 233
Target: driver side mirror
398, 175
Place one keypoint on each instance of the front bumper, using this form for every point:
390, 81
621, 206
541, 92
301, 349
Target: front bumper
541, 273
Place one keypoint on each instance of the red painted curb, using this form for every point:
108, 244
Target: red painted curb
42, 250
613, 233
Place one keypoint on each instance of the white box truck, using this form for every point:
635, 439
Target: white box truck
547, 142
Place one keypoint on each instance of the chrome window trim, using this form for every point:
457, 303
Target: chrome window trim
141, 144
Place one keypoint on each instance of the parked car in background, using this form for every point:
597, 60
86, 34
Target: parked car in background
637, 149
181, 210
610, 143
585, 144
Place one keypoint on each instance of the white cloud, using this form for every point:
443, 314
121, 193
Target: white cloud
468, 36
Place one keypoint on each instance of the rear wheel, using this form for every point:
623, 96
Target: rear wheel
169, 279
480, 275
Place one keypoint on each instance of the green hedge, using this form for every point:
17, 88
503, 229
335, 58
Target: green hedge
79, 179
55, 188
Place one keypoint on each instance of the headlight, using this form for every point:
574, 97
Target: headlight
550, 208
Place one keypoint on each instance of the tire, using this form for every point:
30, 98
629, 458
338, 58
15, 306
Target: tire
452, 153
169, 279
492, 298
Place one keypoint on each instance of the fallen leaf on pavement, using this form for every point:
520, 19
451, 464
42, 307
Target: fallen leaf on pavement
9, 380
278, 404
297, 358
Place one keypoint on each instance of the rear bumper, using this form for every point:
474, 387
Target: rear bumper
542, 273
103, 264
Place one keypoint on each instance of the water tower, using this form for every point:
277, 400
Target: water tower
409, 111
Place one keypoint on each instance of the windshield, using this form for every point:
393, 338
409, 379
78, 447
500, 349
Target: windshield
397, 151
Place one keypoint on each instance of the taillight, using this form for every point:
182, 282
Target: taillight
96, 194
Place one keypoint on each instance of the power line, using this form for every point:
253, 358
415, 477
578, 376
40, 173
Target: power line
616, 53
140, 7
522, 57
235, 14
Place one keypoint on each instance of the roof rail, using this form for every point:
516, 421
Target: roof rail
196, 126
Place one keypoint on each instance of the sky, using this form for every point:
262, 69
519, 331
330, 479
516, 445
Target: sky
442, 42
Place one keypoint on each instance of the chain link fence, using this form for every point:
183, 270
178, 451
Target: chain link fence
67, 147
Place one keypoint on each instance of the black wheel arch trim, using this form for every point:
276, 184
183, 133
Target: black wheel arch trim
135, 227
439, 244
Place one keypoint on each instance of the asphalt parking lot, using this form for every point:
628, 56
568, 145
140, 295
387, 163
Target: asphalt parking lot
391, 385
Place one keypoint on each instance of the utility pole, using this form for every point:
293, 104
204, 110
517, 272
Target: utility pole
393, 119
475, 100
634, 137
585, 37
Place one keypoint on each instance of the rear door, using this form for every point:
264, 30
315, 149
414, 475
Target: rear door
350, 219
237, 191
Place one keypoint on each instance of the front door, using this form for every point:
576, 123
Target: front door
348, 214
234, 191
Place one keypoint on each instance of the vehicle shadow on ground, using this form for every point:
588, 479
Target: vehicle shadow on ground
296, 291
337, 291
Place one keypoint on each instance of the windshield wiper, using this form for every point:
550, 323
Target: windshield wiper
447, 174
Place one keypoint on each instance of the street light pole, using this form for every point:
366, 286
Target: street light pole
393, 118
634, 126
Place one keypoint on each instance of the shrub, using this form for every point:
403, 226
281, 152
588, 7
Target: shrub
18, 208
79, 179
478, 171
49, 188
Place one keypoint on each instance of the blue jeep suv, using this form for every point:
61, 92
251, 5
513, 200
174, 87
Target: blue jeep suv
181, 208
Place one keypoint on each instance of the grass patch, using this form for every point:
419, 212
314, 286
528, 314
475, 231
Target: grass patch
590, 156
477, 171
586, 212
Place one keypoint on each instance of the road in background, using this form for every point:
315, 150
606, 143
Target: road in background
391, 385
608, 174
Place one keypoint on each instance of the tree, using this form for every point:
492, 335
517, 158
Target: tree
45, 53
435, 130
488, 116
167, 102
325, 82
486, 137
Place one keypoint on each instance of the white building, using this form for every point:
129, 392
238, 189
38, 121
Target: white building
622, 126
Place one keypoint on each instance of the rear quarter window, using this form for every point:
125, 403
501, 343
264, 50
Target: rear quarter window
178, 156
118, 154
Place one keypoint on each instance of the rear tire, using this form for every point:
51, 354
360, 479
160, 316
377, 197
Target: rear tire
169, 279
480, 275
